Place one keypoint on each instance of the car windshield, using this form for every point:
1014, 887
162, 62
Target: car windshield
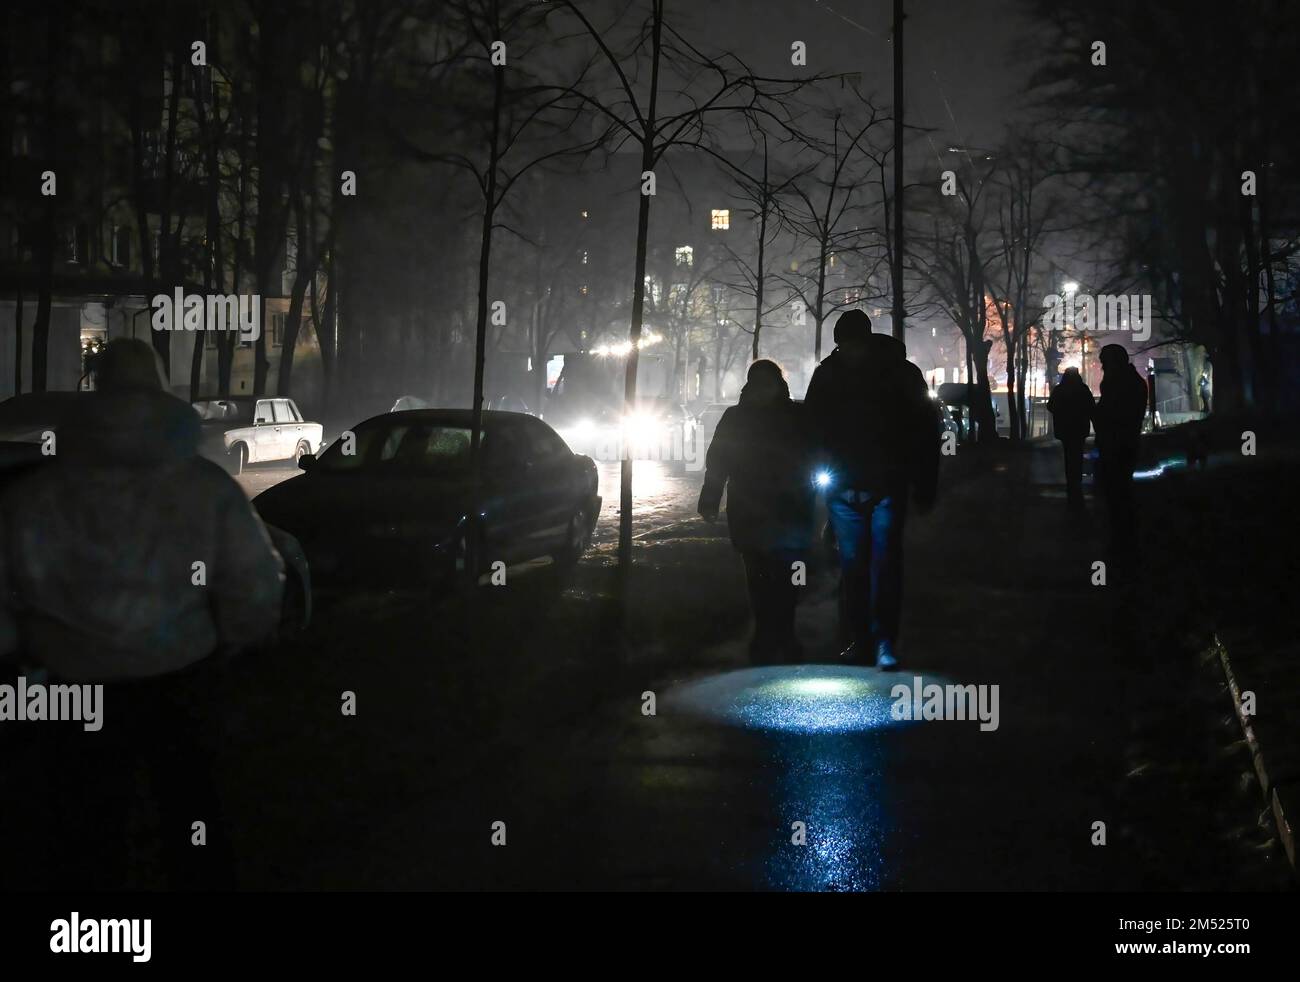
401, 447
224, 410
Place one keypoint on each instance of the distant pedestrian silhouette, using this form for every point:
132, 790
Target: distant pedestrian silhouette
1118, 423
1205, 393
1071, 405
879, 430
762, 455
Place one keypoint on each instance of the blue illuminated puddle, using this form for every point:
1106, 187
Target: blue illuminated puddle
795, 698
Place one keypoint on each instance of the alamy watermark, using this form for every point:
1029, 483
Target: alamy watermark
214, 312
1107, 312
102, 935
918, 700
636, 441
38, 702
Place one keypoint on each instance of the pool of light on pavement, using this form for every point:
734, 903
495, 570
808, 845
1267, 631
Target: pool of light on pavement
795, 698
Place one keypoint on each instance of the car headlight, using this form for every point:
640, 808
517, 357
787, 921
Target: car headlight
640, 427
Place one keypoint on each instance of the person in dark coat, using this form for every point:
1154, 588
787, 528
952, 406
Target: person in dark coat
879, 429
762, 455
1117, 421
1071, 405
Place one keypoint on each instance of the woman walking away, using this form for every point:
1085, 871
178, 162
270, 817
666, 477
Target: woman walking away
762, 455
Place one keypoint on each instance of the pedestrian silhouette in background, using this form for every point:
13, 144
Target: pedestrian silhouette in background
1071, 406
762, 455
1117, 421
98, 585
879, 431
1205, 393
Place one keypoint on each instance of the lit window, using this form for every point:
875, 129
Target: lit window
686, 255
584, 289
584, 213
721, 219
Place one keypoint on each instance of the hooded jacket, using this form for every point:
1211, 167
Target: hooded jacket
99, 548
762, 454
876, 423
1071, 406
1123, 403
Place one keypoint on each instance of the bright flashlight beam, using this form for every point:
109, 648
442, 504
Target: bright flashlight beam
823, 479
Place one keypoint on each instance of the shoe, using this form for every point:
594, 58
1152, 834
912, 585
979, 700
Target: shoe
885, 660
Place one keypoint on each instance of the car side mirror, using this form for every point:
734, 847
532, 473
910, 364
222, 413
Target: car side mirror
307, 461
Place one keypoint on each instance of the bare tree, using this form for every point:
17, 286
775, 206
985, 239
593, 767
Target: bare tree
951, 256
828, 219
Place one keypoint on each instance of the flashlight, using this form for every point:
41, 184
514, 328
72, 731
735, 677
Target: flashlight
823, 479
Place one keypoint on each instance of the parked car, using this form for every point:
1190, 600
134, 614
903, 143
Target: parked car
409, 402
395, 511
240, 431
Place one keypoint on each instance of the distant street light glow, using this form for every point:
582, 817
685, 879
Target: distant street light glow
624, 348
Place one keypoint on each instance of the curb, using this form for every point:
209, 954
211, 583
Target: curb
1282, 802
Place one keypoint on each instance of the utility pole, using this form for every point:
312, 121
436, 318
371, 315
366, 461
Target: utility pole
899, 312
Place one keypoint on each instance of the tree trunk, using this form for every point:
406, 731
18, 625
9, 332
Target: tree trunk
649, 128
758, 277
480, 327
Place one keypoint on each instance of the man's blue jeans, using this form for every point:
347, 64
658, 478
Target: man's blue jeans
869, 532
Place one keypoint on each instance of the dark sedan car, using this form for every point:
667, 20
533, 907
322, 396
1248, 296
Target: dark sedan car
390, 506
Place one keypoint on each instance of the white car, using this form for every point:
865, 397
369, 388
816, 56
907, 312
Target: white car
253, 431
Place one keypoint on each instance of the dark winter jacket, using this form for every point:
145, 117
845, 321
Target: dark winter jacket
1071, 405
876, 424
1118, 416
763, 456
98, 548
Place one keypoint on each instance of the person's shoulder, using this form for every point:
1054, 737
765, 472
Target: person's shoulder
912, 377
827, 365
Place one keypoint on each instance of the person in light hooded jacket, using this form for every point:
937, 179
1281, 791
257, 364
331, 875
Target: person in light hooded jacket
127, 561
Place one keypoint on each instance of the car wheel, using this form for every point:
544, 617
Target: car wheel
240, 457
300, 451
576, 540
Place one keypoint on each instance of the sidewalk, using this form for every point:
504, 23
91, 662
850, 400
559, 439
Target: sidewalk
1106, 716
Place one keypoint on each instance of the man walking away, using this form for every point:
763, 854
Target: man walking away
761, 453
1071, 406
1117, 421
874, 419
127, 561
